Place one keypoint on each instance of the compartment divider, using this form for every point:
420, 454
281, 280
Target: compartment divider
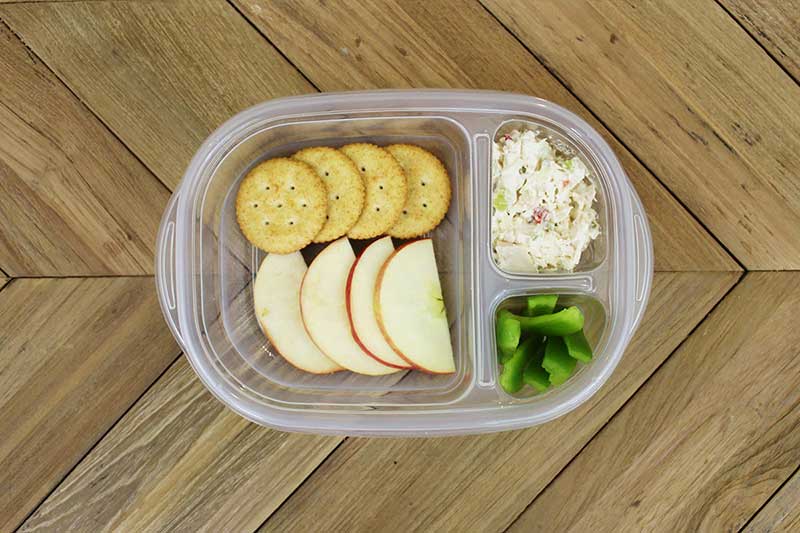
485, 364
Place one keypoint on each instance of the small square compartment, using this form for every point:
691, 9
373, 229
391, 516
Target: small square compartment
597, 252
595, 329
238, 339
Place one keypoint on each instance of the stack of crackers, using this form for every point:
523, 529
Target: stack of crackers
360, 190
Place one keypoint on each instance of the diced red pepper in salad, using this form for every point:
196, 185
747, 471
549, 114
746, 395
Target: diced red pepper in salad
540, 214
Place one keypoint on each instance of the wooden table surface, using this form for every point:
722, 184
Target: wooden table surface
103, 426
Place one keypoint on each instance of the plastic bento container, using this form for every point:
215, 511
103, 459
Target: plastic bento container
205, 267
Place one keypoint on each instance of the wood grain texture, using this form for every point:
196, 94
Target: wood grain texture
680, 242
73, 200
181, 461
781, 513
707, 440
695, 98
379, 44
74, 355
775, 24
480, 483
162, 75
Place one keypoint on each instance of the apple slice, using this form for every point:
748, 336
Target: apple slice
361, 303
276, 296
410, 308
324, 310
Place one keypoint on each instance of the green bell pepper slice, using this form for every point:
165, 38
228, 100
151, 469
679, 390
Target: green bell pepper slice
511, 378
540, 304
565, 322
578, 347
508, 333
557, 361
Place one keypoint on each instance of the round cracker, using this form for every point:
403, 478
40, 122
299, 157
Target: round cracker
346, 191
428, 191
281, 205
385, 185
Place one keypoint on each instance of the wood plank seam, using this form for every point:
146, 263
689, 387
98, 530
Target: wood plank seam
781, 512
106, 126
84, 103
271, 25
309, 476
302, 74
695, 456
273, 45
771, 497
760, 45
637, 389
627, 400
589, 109
649, 128
546, 66
340, 464
100, 439
111, 427
652, 189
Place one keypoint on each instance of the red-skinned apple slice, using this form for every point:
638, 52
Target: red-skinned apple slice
410, 308
276, 297
361, 303
324, 310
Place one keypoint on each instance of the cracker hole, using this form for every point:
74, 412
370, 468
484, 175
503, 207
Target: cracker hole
337, 196
380, 187
291, 222
267, 187
377, 209
266, 222
327, 174
363, 169
405, 212
423, 183
291, 187
255, 204
304, 205
280, 205
327, 217
424, 205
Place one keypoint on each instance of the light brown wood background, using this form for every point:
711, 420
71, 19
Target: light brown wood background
103, 425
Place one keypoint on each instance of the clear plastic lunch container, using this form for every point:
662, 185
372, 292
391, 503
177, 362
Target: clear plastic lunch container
205, 267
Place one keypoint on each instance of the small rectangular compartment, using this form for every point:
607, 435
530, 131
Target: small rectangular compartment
597, 251
205, 268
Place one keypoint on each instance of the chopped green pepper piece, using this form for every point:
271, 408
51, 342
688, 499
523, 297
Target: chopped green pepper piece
578, 347
511, 376
507, 332
558, 379
540, 304
557, 361
534, 375
562, 323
